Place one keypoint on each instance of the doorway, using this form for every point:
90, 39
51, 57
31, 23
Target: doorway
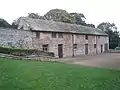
86, 49
106, 47
101, 48
60, 50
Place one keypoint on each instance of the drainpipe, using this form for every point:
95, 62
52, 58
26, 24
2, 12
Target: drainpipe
96, 45
72, 44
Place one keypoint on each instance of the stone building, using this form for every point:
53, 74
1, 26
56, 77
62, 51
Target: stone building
61, 38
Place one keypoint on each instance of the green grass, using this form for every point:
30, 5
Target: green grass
36, 75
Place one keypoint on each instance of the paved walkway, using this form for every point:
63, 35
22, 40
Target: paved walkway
105, 60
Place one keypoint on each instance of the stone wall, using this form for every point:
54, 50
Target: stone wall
46, 38
15, 38
68, 40
81, 41
27, 39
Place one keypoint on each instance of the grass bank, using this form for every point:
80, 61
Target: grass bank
35, 75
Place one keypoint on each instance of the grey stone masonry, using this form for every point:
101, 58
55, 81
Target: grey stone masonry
16, 38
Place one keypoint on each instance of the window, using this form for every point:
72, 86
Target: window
53, 35
45, 47
86, 37
74, 46
94, 45
99, 37
60, 35
37, 35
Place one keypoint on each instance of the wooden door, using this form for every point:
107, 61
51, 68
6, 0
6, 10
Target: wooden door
60, 50
86, 48
106, 47
101, 48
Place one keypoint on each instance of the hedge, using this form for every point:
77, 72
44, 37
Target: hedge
24, 52
16, 50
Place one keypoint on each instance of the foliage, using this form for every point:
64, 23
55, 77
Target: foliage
59, 15
14, 25
16, 51
112, 32
63, 16
34, 15
79, 18
91, 25
106, 26
4, 23
35, 75
114, 39
117, 48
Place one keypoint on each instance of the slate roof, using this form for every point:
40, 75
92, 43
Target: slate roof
52, 26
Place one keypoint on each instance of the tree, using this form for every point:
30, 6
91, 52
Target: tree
14, 25
111, 30
79, 18
91, 25
106, 26
59, 15
34, 15
4, 23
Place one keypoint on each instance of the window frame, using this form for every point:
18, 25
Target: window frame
86, 37
54, 35
75, 46
60, 35
95, 45
45, 47
37, 35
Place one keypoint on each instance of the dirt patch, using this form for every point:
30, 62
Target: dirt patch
105, 60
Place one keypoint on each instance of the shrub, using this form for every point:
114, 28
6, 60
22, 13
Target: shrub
117, 48
24, 52
18, 52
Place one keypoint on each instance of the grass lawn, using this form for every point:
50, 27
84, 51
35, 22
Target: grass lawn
36, 75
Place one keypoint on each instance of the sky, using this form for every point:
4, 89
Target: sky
95, 11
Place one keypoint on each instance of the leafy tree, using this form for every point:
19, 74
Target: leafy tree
106, 26
4, 23
79, 18
14, 25
111, 30
34, 15
91, 25
59, 15
62, 16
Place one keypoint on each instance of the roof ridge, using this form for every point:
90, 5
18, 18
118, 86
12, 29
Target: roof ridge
54, 26
58, 22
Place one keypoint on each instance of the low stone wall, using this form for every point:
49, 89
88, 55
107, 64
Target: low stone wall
35, 53
32, 57
25, 52
16, 38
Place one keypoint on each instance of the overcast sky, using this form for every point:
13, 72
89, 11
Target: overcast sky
96, 11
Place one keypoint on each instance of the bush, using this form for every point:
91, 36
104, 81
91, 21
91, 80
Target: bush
117, 48
17, 52
24, 52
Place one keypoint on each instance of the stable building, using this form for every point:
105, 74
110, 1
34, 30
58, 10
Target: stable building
63, 39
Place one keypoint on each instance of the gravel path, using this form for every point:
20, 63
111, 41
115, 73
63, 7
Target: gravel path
105, 60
